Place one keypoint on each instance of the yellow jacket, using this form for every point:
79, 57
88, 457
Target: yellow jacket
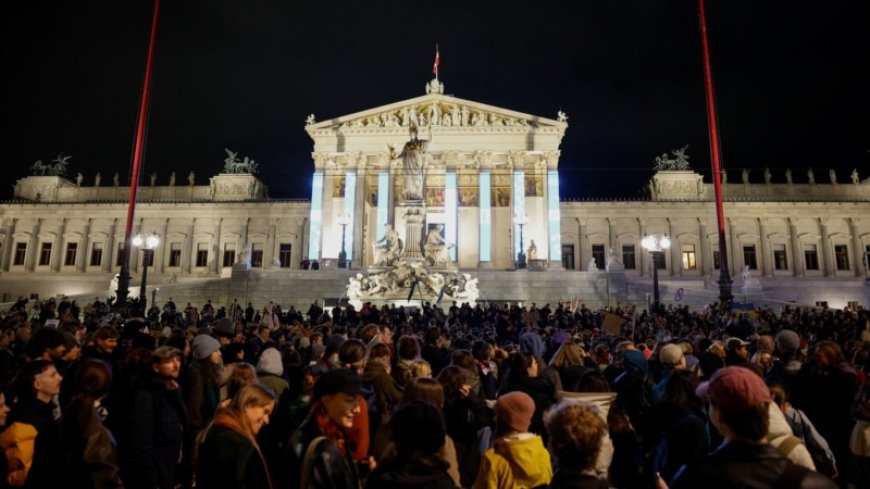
17, 442
516, 461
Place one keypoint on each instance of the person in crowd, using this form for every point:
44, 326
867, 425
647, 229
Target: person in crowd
321, 452
270, 371
518, 458
466, 416
417, 461
352, 355
101, 346
576, 431
739, 409
486, 368
680, 415
228, 457
434, 351
671, 359
523, 377
31, 438
736, 351
568, 361
89, 448
154, 422
802, 428
240, 375
201, 382
47, 344
408, 351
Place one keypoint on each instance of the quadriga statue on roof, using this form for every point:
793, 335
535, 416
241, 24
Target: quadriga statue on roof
680, 162
232, 164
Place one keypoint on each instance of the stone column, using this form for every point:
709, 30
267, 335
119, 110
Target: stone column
58, 257
33, 255
270, 252
187, 255
827, 262
359, 220
765, 255
82, 258
797, 250
109, 250
857, 248
136, 251
581, 245
676, 267
736, 250
160, 263
216, 257
300, 243
8, 245
642, 253
704, 244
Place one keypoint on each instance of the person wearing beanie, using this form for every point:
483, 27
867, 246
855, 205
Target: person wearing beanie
200, 383
419, 434
518, 458
270, 371
671, 358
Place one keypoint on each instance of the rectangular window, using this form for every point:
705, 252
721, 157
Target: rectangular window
285, 253
69, 259
811, 257
229, 254
175, 255
749, 258
119, 258
716, 259
598, 255
20, 253
257, 255
659, 259
628, 259
568, 257
97, 254
45, 254
841, 256
689, 257
201, 254
780, 260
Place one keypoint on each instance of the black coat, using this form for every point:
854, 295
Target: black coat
153, 435
541, 391
229, 460
329, 469
743, 465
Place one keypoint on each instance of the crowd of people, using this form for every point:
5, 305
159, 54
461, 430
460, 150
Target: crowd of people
484, 396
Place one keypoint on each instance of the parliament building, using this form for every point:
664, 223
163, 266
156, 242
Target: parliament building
490, 187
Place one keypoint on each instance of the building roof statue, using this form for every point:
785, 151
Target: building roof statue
680, 162
232, 164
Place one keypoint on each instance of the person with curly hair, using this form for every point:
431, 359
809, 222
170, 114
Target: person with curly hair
576, 432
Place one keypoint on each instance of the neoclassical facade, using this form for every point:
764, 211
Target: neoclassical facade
490, 184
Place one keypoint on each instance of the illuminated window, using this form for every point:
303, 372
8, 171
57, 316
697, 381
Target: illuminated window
689, 257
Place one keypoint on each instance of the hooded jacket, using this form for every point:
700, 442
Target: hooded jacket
519, 460
410, 475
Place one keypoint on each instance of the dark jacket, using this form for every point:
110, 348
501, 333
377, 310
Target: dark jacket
541, 391
229, 460
32, 419
91, 462
739, 464
386, 390
409, 475
329, 469
153, 434
200, 396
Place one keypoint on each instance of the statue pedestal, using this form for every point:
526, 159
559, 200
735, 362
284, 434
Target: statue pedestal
413, 217
615, 268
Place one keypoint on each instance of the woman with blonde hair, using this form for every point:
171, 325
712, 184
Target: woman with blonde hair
568, 361
228, 455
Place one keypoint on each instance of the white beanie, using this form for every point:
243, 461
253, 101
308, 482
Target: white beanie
270, 362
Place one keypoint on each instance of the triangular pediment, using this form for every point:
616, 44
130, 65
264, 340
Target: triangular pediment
435, 110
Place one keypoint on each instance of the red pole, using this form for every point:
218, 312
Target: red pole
139, 149
715, 157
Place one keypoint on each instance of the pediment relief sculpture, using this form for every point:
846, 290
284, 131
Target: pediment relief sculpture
437, 113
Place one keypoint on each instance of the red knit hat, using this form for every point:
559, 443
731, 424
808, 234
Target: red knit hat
515, 410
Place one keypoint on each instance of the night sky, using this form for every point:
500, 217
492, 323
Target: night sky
792, 81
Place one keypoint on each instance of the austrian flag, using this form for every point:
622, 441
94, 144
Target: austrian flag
437, 62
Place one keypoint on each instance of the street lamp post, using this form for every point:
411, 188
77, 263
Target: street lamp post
655, 243
343, 221
147, 243
521, 221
